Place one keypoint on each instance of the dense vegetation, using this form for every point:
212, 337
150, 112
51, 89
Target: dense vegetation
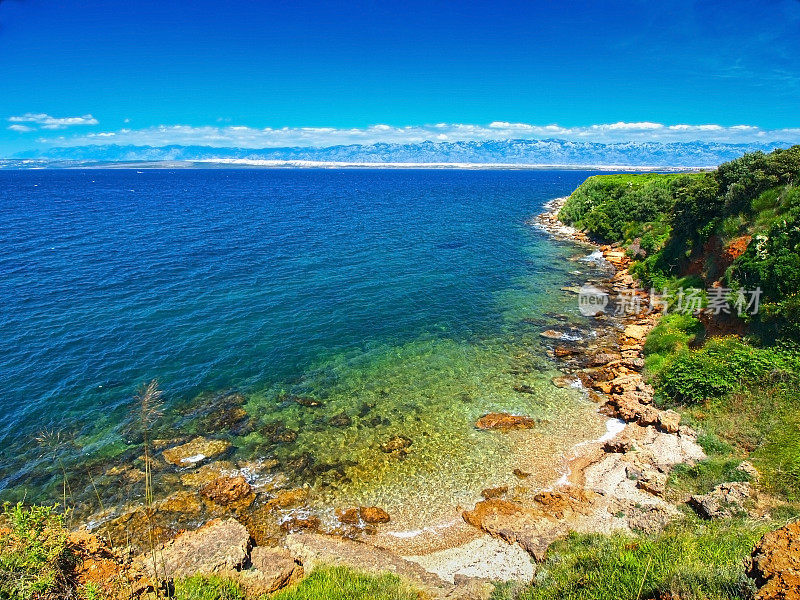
739, 228
696, 224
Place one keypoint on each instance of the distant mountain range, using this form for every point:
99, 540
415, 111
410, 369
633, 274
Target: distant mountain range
513, 152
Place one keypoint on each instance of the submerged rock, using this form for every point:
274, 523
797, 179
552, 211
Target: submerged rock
229, 491
195, 451
504, 422
373, 515
398, 443
287, 498
775, 564
340, 420
301, 523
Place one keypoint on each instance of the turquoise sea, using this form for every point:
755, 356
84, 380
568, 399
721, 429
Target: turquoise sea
307, 316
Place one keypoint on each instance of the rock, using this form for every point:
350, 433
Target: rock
271, 569
724, 501
218, 547
748, 469
207, 473
775, 564
653, 482
398, 443
495, 492
340, 420
521, 474
504, 422
306, 401
348, 516
228, 491
551, 334
533, 530
603, 358
618, 445
287, 498
636, 332
195, 451
373, 515
301, 523
668, 421
563, 351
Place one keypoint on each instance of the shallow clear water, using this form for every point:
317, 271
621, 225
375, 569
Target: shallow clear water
403, 302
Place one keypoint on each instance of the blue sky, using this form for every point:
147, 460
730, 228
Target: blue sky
284, 73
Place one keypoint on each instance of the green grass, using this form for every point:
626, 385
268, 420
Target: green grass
207, 588
33, 553
341, 583
692, 560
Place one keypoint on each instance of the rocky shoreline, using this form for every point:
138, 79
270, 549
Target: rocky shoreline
614, 483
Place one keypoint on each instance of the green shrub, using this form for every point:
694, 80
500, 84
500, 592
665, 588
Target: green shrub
722, 366
341, 583
34, 558
672, 335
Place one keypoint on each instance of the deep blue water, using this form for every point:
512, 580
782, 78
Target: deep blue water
243, 279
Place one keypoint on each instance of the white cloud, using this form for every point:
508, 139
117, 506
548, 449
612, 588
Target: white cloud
240, 136
20, 128
45, 121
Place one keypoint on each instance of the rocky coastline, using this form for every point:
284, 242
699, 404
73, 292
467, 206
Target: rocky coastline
614, 483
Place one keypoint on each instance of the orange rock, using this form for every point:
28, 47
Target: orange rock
228, 491
373, 515
775, 564
505, 422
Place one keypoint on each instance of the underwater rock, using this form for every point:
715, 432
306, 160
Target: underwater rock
207, 473
521, 474
228, 491
287, 498
504, 422
306, 401
373, 515
340, 420
495, 492
524, 389
298, 523
195, 451
348, 516
398, 443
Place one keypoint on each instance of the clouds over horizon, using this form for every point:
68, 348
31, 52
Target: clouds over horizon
316, 137
32, 121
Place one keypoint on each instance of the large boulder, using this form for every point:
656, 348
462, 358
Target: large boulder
270, 570
775, 564
217, 547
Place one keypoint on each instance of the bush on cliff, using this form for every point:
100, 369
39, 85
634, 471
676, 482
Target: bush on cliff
722, 366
